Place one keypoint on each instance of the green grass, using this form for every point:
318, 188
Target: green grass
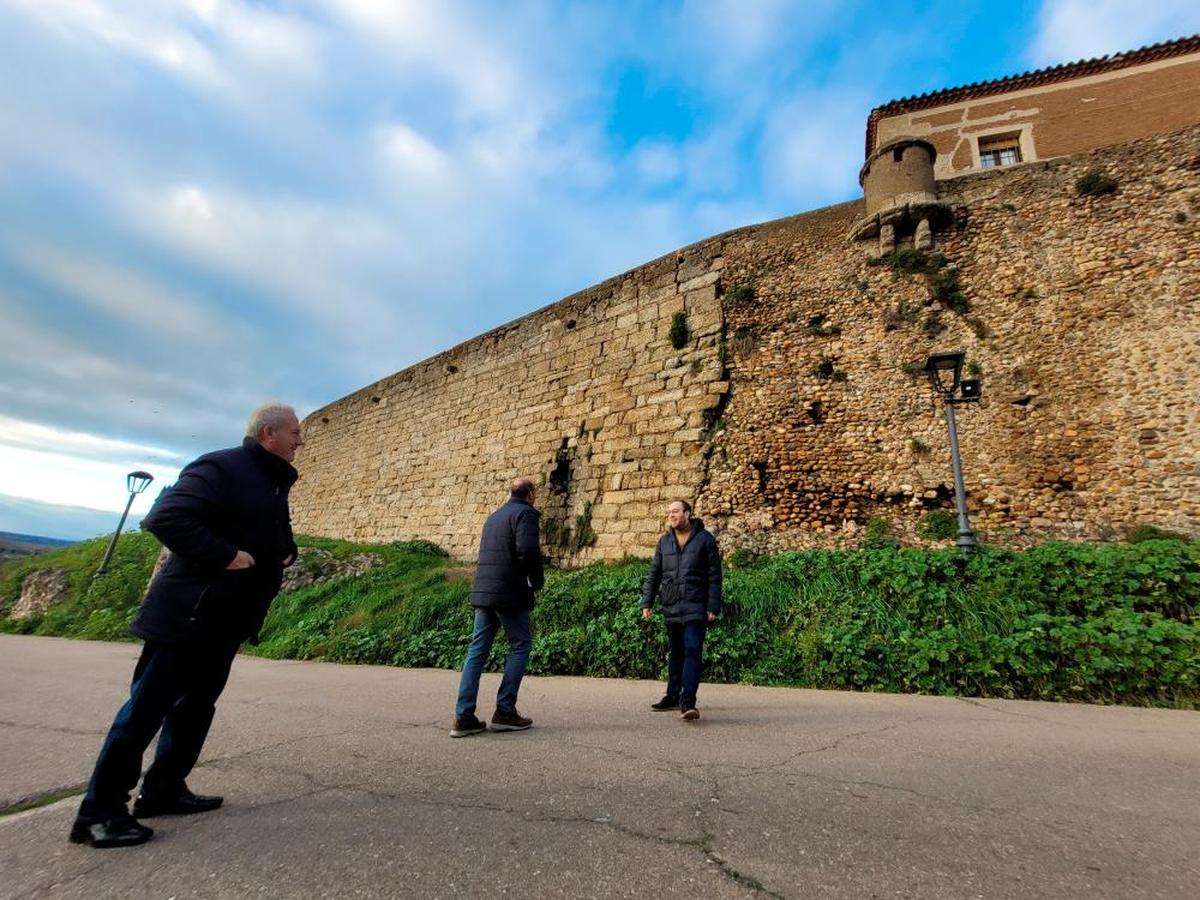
1103, 623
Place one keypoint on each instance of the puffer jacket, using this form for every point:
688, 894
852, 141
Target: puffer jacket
229, 500
690, 579
509, 569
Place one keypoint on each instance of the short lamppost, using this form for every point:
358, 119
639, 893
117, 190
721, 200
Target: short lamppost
945, 376
135, 483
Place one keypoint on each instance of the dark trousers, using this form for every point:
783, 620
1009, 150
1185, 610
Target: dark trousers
685, 663
175, 688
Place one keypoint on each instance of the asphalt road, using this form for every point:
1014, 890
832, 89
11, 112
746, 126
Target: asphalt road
341, 781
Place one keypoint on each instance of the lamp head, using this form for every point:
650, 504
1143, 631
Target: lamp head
136, 482
945, 371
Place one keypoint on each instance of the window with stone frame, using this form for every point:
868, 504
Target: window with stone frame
1000, 150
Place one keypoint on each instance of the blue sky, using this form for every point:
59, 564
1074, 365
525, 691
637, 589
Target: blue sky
210, 203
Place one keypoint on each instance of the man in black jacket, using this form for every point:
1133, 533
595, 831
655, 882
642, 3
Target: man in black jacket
227, 525
507, 574
687, 567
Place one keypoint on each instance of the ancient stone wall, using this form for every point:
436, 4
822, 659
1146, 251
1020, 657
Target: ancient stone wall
792, 413
591, 396
1084, 325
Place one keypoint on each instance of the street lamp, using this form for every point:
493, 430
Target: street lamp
945, 377
135, 483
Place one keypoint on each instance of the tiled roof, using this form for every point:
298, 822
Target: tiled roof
1049, 75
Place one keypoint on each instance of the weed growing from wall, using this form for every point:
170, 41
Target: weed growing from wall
1095, 182
679, 330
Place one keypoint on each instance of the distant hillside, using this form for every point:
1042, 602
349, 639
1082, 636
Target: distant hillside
15, 546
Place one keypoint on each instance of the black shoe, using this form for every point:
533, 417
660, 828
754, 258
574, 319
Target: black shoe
464, 726
691, 714
184, 803
667, 702
121, 830
509, 721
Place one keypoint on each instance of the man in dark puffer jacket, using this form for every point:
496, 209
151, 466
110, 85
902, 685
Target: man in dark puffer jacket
507, 573
227, 526
687, 568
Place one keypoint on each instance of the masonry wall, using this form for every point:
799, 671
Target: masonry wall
589, 396
1060, 119
791, 415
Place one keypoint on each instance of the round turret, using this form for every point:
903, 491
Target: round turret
899, 173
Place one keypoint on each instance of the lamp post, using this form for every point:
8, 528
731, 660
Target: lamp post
940, 367
135, 483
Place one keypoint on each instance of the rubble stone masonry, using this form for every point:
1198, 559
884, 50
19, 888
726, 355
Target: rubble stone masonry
792, 414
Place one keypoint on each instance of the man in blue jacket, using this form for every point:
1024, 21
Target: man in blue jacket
687, 569
227, 525
507, 573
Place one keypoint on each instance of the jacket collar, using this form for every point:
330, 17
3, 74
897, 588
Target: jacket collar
697, 527
279, 470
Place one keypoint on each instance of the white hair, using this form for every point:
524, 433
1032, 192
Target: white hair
269, 414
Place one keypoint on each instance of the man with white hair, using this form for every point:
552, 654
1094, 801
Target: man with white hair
227, 525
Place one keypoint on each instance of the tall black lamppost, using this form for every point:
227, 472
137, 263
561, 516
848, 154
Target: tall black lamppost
135, 483
945, 376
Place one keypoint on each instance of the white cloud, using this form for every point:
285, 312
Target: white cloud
656, 162
128, 296
1070, 30
813, 147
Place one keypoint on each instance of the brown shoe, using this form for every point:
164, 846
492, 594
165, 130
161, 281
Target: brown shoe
509, 721
691, 714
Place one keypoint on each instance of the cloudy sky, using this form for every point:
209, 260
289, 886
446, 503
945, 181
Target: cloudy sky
209, 203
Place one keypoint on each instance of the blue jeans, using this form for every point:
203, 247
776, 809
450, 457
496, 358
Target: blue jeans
520, 637
686, 661
175, 687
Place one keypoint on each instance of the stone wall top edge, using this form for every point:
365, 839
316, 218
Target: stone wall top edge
580, 299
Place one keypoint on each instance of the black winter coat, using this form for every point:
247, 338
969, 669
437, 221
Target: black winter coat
690, 579
225, 501
509, 568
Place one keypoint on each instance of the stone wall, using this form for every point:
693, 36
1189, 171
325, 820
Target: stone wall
1085, 327
791, 414
590, 396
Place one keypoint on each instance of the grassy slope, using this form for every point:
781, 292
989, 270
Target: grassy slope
1103, 623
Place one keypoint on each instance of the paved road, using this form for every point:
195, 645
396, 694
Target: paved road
341, 781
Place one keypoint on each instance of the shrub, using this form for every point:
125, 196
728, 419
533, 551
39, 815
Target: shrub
1104, 623
1153, 533
819, 327
679, 330
1095, 182
878, 535
740, 293
938, 525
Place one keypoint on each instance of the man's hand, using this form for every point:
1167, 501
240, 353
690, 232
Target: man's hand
289, 559
646, 613
243, 560
712, 617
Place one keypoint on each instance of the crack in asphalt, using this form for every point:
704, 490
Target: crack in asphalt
972, 701
753, 771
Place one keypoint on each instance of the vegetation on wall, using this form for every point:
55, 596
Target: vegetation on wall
679, 330
1095, 182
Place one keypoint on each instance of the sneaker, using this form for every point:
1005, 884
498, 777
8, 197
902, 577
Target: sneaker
667, 702
509, 721
466, 725
691, 714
